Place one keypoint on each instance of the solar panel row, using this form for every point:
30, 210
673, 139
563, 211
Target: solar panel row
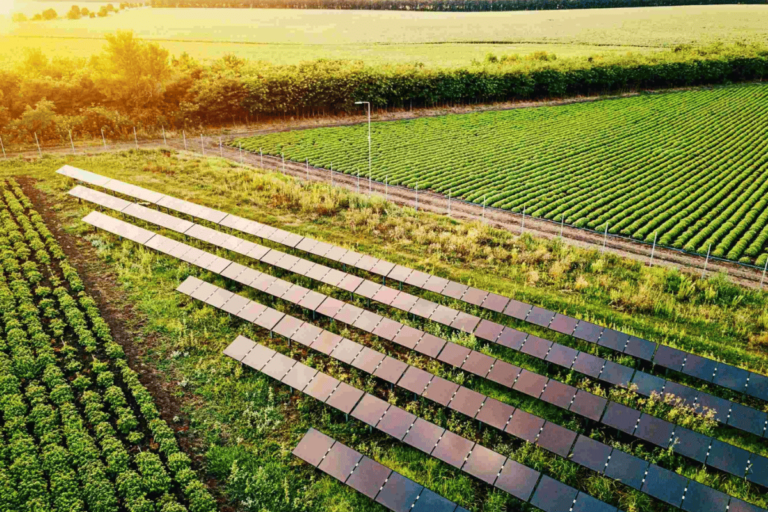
563, 442
727, 412
728, 376
493, 468
649, 428
368, 477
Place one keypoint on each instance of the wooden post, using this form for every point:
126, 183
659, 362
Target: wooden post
71, 142
135, 139
653, 249
3, 146
449, 203
605, 238
706, 262
202, 144
184, 134
39, 150
165, 141
763, 278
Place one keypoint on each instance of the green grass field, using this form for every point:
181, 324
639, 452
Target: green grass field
691, 167
241, 425
289, 37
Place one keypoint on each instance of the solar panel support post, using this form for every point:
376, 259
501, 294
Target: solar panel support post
653, 249
605, 238
763, 278
71, 142
706, 261
165, 142
39, 151
3, 146
135, 139
184, 134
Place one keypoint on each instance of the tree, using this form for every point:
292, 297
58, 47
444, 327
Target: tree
74, 13
103, 12
39, 120
19, 17
50, 14
84, 11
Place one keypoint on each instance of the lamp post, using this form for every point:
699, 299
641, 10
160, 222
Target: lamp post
368, 106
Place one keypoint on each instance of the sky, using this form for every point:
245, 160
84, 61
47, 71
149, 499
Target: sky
6, 7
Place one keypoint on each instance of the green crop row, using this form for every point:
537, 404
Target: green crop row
689, 168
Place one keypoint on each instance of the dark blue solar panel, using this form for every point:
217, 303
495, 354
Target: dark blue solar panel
699, 367
563, 324
590, 453
525, 425
665, 485
758, 386
368, 477
399, 493
588, 405
556, 439
452, 449
669, 357
655, 430
700, 498
588, 364
617, 374
731, 377
758, 471
647, 384
562, 355
433, 502
512, 338
720, 406
729, 458
340, 461
586, 503
517, 480
588, 331
747, 419
640, 348
691, 444
621, 417
614, 340
737, 505
553, 496
540, 316
484, 464
627, 469
687, 394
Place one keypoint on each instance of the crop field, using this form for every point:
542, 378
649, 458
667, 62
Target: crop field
239, 425
435, 39
690, 168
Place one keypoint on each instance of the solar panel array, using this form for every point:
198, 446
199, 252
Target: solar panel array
563, 442
493, 468
727, 412
368, 477
708, 370
685, 442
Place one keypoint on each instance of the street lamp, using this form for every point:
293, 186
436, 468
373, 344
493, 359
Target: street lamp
368, 105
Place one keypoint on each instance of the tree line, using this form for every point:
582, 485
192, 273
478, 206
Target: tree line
439, 5
74, 13
135, 83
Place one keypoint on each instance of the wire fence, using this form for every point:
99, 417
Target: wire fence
218, 145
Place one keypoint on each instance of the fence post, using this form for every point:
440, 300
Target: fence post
71, 142
202, 144
241, 152
39, 150
449, 203
261, 156
221, 151
605, 238
165, 142
184, 134
562, 218
331, 175
283, 155
706, 261
653, 249
103, 139
135, 139
417, 197
307, 160
522, 222
358, 181
370, 185
763, 278
386, 188
483, 208
3, 146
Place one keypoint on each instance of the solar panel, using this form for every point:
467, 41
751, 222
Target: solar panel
512, 338
348, 314
368, 477
189, 285
540, 316
720, 406
665, 485
561, 355
758, 386
313, 447
318, 272
621, 417
258, 357
278, 288
399, 493
588, 405
488, 330
203, 291
691, 444
700, 367
423, 435
524, 425
404, 301
346, 351
367, 321
287, 326
563, 324
590, 453
495, 413
669, 357
349, 258
333, 277
737, 505
415, 380
385, 295
396, 422
340, 461
295, 294
700, 498
532, 384
345, 398
688, 395
747, 419
390, 370
423, 308
455, 290
758, 470
417, 279
326, 342
588, 364
553, 496
453, 449
99, 198
251, 312
312, 300
627, 469
655, 430
444, 315
321, 387
478, 363
731, 377
617, 374
484, 464
454, 354
370, 410
474, 296
517, 480
429, 501
330, 307
614, 340
536, 347
278, 366
467, 402
382, 268
495, 303
586, 503
399, 273
556, 439
84, 176
408, 337
350, 283
239, 348
587, 331
729, 458
517, 309
435, 284
367, 289
387, 329
428, 344
504, 373
558, 394
440, 390
647, 384
368, 360
335, 253
299, 376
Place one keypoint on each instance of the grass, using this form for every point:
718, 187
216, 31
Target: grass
244, 425
688, 167
291, 36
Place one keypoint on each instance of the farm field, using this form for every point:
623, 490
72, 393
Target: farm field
299, 35
240, 425
688, 168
